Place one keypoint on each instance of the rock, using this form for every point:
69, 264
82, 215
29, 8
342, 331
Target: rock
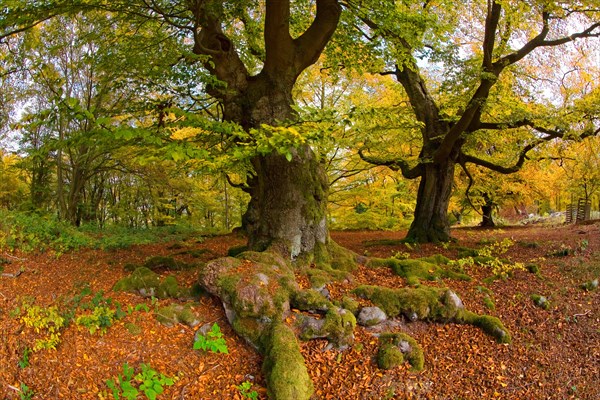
540, 301
389, 356
337, 326
451, 299
202, 331
312, 328
254, 288
369, 316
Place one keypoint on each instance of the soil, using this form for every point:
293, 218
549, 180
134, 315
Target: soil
555, 352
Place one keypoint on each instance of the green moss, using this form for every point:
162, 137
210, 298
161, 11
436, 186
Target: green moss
533, 268
339, 326
389, 356
284, 368
318, 277
413, 270
170, 288
414, 355
437, 259
167, 315
415, 303
249, 328
433, 304
174, 313
489, 303
130, 267
159, 263
540, 301
141, 278
490, 325
590, 285
465, 252
350, 304
310, 300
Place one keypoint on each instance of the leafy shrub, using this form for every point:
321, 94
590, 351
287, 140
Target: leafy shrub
246, 392
31, 231
100, 319
24, 361
26, 393
46, 321
212, 341
148, 381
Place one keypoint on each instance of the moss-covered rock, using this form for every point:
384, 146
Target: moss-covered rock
149, 284
350, 304
337, 326
175, 313
169, 288
490, 325
540, 301
162, 263
284, 368
389, 356
590, 285
410, 349
310, 300
413, 270
426, 303
142, 280
433, 304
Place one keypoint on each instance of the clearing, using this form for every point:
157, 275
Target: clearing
554, 354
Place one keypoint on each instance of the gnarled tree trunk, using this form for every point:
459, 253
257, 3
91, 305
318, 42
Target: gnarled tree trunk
431, 213
288, 203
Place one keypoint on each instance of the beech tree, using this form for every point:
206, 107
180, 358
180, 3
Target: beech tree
474, 52
253, 80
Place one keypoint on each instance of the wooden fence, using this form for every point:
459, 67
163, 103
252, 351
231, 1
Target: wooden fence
578, 212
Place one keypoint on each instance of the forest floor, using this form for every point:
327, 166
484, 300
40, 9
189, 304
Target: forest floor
554, 354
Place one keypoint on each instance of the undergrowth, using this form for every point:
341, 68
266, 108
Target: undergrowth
31, 231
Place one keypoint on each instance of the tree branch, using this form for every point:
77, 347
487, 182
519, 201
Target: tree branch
311, 43
394, 165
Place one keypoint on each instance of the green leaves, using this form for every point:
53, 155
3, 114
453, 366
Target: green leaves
212, 341
148, 381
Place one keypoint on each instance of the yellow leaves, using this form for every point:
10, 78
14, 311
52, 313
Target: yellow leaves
186, 133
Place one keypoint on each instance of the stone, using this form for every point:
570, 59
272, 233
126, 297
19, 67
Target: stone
369, 316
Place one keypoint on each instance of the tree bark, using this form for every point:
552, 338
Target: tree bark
431, 213
486, 212
288, 203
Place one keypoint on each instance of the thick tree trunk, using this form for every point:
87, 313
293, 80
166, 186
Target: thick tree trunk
431, 212
486, 212
288, 203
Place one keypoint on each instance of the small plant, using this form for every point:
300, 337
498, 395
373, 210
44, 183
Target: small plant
26, 393
212, 341
99, 320
401, 255
24, 361
246, 392
148, 381
46, 321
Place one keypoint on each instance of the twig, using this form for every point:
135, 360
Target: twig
582, 315
16, 389
14, 257
2, 294
16, 274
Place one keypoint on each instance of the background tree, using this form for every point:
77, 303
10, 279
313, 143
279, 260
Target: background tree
457, 94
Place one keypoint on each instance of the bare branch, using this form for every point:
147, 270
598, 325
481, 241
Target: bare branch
394, 165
